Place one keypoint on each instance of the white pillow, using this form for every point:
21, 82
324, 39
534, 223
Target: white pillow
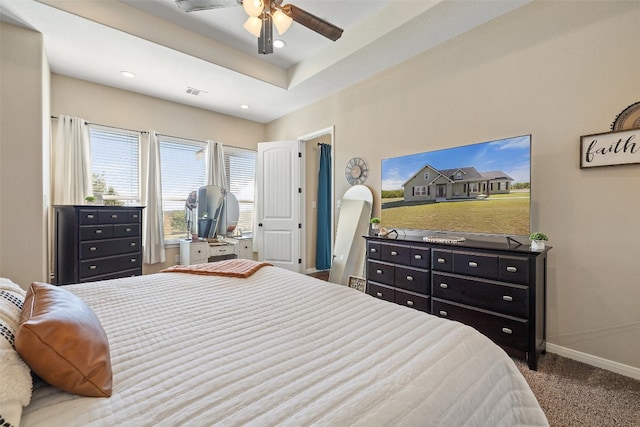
16, 384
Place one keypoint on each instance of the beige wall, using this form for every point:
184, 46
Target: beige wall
24, 139
557, 70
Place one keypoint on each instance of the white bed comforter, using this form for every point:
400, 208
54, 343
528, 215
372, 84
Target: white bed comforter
280, 348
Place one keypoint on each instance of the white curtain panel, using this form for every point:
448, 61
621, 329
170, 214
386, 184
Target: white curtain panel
216, 174
153, 232
71, 165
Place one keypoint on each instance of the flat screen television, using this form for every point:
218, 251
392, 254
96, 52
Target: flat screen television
479, 188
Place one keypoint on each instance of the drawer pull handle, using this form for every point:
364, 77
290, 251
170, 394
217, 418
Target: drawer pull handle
473, 264
410, 278
417, 256
441, 261
444, 285
394, 253
379, 294
132, 260
90, 216
114, 216
373, 250
507, 331
507, 298
132, 244
443, 313
127, 230
134, 216
98, 231
93, 249
410, 303
512, 269
379, 271
92, 267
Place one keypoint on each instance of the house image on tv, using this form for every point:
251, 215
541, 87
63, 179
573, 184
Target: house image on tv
431, 184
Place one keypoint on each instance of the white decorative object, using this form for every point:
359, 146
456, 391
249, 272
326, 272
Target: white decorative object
537, 245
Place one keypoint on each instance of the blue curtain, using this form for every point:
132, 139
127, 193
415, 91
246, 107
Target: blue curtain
323, 240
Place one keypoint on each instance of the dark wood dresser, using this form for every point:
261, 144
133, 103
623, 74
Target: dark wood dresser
498, 288
97, 242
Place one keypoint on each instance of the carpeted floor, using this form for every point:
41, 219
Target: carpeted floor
572, 393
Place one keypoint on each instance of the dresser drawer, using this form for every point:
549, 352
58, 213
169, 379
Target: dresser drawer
87, 216
412, 279
420, 257
380, 291
475, 264
410, 299
134, 216
97, 267
514, 270
102, 248
503, 298
505, 330
398, 254
113, 216
125, 273
441, 260
93, 232
380, 272
222, 250
373, 250
126, 230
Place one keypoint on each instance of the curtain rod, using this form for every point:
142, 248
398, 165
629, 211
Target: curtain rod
107, 126
159, 134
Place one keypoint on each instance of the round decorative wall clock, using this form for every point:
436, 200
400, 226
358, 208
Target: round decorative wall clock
356, 171
628, 119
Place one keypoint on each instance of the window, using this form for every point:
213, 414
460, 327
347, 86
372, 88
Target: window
426, 176
183, 169
420, 190
115, 156
116, 164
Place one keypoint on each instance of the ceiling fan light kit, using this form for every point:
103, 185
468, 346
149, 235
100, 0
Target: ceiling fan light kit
264, 14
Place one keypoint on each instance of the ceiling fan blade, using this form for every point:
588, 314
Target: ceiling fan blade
195, 5
312, 22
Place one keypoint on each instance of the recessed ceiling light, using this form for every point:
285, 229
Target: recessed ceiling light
279, 44
127, 74
244, 106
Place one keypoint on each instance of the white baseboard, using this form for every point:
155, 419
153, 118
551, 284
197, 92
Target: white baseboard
598, 362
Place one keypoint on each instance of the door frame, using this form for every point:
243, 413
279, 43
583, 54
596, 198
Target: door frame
303, 139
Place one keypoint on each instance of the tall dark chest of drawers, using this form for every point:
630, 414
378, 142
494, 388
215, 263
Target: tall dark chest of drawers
97, 242
495, 287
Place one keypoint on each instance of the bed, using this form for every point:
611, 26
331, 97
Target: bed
281, 348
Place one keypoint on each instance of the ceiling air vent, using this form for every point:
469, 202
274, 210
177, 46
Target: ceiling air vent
194, 91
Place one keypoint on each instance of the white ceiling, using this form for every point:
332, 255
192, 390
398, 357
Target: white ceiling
170, 50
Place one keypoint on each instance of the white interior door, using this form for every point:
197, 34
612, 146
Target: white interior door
280, 204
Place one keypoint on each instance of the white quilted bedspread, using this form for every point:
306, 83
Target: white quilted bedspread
280, 348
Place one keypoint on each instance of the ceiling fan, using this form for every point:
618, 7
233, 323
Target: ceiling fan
263, 14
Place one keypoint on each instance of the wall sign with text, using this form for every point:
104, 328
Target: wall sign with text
611, 148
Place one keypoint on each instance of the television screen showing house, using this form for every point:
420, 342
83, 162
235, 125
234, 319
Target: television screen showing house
480, 188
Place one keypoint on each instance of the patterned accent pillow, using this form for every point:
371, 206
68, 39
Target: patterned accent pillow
16, 376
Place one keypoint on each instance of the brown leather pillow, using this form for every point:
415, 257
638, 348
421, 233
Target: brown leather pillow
63, 342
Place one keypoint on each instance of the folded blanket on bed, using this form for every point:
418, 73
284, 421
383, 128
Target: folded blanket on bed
229, 268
